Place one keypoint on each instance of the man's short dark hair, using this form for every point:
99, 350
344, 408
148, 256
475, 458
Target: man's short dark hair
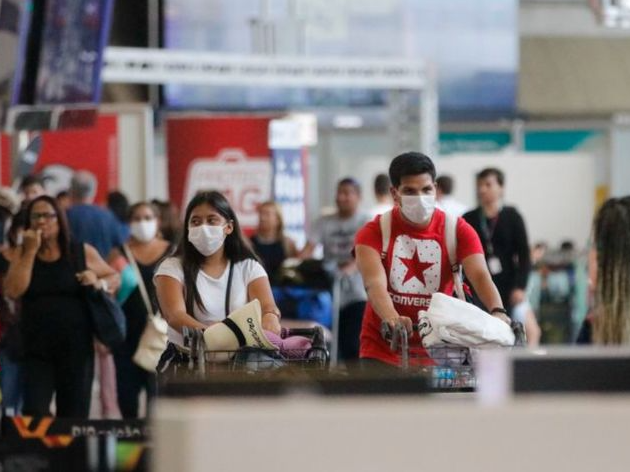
492, 171
445, 184
381, 185
352, 182
30, 180
410, 163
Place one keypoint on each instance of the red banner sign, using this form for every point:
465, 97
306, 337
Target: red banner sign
229, 154
94, 150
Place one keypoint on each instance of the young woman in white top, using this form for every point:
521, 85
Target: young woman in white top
192, 287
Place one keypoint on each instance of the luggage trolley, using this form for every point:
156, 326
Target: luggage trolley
448, 366
203, 361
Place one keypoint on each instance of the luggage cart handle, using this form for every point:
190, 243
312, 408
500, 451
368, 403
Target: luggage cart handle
398, 338
306, 332
400, 333
386, 330
520, 338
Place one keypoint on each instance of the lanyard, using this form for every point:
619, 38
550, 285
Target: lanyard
488, 228
228, 290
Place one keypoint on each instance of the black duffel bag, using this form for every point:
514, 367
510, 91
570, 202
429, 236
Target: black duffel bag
107, 317
311, 273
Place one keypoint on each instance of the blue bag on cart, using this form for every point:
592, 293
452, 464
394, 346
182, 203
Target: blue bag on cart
305, 304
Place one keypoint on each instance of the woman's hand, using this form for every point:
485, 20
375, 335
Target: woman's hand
32, 240
87, 278
271, 322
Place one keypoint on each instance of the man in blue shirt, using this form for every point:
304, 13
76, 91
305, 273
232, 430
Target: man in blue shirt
99, 227
90, 223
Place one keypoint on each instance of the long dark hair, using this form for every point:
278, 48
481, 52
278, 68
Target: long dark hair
236, 247
63, 238
612, 241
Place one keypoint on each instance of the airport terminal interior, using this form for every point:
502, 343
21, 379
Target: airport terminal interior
314, 235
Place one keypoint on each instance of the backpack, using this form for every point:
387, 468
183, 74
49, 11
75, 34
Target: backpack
450, 230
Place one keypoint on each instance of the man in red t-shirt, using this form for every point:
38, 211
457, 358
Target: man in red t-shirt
416, 264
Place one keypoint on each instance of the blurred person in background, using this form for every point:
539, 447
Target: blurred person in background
609, 274
504, 238
31, 187
538, 253
56, 328
98, 227
118, 204
11, 383
336, 234
192, 287
383, 197
444, 196
148, 249
64, 200
170, 224
270, 242
90, 223
9, 206
503, 235
416, 264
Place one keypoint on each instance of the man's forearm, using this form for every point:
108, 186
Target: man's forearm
488, 293
382, 303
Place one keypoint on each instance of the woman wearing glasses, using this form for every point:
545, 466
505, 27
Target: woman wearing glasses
57, 334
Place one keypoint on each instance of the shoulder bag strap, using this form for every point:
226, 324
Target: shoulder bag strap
385, 222
228, 290
450, 231
77, 254
141, 286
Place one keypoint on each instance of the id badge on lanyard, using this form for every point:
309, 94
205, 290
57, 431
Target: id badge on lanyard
494, 263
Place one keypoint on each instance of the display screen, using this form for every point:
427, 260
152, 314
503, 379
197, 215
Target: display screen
74, 37
474, 46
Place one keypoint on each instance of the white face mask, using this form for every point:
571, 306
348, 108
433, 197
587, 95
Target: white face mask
418, 208
206, 239
144, 231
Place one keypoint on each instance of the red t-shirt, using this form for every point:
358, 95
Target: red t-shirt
417, 266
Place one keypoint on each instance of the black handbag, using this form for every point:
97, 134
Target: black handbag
107, 317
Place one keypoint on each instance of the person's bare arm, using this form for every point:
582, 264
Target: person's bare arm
170, 295
99, 273
477, 272
375, 281
307, 251
291, 248
261, 290
20, 271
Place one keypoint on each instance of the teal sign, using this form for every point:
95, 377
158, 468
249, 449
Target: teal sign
558, 141
534, 141
481, 142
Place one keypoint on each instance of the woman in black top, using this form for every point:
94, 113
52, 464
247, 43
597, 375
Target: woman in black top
148, 249
57, 334
269, 242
